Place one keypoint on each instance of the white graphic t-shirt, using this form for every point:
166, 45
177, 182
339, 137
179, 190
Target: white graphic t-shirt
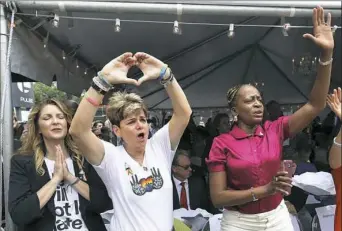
67, 206
141, 195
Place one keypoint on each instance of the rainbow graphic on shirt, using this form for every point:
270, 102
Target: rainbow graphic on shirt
143, 185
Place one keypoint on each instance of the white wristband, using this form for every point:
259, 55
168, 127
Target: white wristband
326, 63
336, 143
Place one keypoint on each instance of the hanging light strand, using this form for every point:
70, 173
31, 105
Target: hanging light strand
171, 22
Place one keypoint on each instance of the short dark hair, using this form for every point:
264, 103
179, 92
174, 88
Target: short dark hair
97, 122
273, 109
218, 118
105, 134
179, 152
72, 106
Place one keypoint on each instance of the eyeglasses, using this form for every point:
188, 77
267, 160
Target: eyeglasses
184, 167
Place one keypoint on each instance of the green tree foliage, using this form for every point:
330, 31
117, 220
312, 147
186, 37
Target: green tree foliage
42, 91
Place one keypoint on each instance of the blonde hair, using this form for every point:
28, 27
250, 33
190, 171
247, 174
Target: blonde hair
33, 141
123, 104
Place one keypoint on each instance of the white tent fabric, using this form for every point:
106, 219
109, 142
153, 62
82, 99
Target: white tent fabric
255, 54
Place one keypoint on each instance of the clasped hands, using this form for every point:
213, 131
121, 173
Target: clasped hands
115, 72
61, 171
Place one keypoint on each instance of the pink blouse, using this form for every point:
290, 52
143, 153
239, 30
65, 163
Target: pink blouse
251, 160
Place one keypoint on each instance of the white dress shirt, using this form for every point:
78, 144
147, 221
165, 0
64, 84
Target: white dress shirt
179, 189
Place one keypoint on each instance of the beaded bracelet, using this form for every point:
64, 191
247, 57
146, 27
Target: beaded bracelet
326, 63
169, 79
162, 73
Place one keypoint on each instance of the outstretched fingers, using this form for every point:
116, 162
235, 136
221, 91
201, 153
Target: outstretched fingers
329, 19
315, 17
320, 15
339, 94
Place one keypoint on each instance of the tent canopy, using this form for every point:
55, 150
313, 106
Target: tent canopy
205, 61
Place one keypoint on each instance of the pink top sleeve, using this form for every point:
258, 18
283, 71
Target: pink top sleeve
280, 126
217, 158
285, 126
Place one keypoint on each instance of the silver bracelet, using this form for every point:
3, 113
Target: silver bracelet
99, 83
336, 143
253, 195
104, 80
326, 63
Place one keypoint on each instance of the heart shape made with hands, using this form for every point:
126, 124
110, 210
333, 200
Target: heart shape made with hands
116, 70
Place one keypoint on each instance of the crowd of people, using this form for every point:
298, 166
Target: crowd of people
69, 168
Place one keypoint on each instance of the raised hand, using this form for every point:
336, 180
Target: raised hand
334, 101
322, 33
116, 70
149, 65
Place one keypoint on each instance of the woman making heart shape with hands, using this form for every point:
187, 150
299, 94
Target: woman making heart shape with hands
116, 70
138, 173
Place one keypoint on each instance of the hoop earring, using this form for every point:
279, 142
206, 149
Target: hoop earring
235, 118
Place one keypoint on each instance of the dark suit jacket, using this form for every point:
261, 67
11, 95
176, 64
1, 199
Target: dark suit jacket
198, 194
24, 203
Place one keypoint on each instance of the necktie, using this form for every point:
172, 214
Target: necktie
183, 199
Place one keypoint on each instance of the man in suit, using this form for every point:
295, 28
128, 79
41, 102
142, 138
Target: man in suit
189, 192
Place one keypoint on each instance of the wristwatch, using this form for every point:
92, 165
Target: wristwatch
253, 195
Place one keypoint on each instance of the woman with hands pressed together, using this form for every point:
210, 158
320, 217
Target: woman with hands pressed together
137, 174
244, 164
51, 186
334, 101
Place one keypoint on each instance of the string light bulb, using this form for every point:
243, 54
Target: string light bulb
85, 71
55, 20
77, 66
176, 28
46, 40
231, 32
63, 55
117, 27
286, 28
334, 29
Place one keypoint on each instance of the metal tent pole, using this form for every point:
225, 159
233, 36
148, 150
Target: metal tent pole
310, 4
6, 125
173, 9
302, 4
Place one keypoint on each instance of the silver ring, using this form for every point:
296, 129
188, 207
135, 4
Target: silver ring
275, 178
